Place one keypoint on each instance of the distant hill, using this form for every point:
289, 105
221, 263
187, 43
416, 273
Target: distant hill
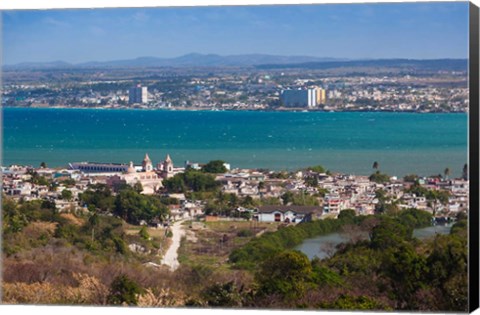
259, 61
39, 65
428, 64
189, 60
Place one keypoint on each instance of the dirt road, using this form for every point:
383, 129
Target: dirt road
171, 256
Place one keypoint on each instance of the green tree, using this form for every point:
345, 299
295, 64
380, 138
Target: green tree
380, 178
124, 290
347, 302
317, 169
138, 187
288, 273
144, 233
93, 222
449, 267
347, 214
67, 194
411, 178
134, 207
299, 199
43, 165
415, 218
37, 179
465, 171
100, 196
261, 185
436, 197
175, 184
191, 180
287, 197
311, 181
222, 295
14, 219
375, 165
446, 172
216, 166
407, 270
389, 233
417, 189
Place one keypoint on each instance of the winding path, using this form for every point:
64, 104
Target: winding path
171, 256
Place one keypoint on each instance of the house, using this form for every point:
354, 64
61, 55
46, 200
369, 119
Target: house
288, 214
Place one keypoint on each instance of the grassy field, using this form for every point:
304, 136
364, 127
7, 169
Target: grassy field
210, 243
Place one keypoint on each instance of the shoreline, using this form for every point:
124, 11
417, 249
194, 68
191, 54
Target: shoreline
280, 110
235, 170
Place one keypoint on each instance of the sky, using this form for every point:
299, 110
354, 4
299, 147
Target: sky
354, 31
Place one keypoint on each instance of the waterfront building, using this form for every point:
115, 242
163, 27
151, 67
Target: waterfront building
321, 96
299, 98
138, 95
94, 167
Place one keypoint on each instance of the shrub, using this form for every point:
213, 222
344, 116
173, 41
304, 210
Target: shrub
245, 233
123, 290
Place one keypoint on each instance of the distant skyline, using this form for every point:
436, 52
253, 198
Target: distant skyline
353, 31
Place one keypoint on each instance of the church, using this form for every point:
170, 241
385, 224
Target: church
150, 178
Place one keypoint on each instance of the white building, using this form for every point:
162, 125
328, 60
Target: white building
287, 214
138, 95
299, 98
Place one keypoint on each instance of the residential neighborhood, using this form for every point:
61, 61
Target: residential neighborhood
289, 197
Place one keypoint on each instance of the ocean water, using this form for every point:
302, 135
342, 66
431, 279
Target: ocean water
402, 143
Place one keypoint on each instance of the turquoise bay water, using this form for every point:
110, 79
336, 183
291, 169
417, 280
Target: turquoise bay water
402, 143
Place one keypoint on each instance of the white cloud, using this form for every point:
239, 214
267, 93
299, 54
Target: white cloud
140, 16
55, 22
97, 30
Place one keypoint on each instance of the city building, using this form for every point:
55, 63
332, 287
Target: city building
321, 96
138, 95
299, 98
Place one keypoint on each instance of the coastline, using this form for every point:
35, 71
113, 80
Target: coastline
214, 109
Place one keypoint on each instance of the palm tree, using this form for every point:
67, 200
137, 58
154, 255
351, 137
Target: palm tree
465, 172
376, 165
446, 172
435, 197
93, 221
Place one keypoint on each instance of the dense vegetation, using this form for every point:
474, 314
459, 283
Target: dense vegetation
390, 270
215, 167
86, 259
379, 177
191, 180
261, 248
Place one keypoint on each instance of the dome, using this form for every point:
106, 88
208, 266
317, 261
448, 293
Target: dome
131, 168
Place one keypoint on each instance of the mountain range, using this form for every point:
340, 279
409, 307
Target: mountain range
189, 60
260, 61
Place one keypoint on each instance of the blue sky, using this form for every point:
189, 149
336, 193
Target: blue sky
356, 31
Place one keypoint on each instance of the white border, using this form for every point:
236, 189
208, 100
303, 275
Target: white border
78, 4
72, 4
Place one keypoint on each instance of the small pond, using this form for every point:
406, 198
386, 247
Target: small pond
324, 246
